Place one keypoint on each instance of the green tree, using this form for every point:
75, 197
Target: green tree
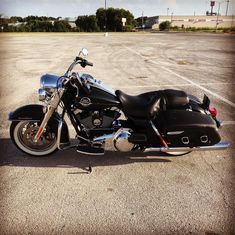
165, 25
61, 26
37, 26
113, 18
15, 19
40, 18
87, 23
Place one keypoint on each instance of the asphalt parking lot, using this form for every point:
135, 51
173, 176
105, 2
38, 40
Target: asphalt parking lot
126, 193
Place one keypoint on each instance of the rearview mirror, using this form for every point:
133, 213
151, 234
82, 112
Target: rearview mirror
84, 52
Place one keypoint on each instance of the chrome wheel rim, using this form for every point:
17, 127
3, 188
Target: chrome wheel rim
26, 132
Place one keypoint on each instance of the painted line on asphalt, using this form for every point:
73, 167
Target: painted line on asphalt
184, 78
149, 86
226, 123
172, 85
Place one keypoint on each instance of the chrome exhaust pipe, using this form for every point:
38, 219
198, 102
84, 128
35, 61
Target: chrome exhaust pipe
219, 146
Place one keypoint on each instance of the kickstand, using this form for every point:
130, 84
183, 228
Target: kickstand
89, 169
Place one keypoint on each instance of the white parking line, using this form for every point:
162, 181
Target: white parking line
184, 78
172, 85
225, 123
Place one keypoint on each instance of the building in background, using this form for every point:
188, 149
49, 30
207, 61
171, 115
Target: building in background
150, 21
196, 21
71, 21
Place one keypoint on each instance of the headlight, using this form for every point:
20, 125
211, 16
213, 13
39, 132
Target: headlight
49, 82
42, 94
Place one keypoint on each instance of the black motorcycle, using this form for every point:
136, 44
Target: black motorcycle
168, 121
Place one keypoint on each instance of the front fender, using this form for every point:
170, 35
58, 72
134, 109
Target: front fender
34, 112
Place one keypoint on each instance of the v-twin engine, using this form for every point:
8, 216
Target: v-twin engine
119, 139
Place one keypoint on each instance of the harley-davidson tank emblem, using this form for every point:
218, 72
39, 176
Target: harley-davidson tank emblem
85, 101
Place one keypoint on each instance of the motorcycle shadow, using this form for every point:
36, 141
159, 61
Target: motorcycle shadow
11, 156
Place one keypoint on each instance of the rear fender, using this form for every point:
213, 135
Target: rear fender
34, 112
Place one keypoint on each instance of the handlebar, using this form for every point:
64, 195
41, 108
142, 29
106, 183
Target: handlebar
83, 62
78, 60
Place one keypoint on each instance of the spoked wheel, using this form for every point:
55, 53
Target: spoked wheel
22, 134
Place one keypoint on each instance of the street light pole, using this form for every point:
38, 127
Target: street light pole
167, 11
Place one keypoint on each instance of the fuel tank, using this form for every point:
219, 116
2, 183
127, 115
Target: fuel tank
96, 98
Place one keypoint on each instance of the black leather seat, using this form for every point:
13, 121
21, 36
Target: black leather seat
148, 104
142, 105
175, 98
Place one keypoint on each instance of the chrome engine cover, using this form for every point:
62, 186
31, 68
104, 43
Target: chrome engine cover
120, 140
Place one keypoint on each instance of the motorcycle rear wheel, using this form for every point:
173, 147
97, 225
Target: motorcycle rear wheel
22, 134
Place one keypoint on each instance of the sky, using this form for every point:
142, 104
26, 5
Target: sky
73, 8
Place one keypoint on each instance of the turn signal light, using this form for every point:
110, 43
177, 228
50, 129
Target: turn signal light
213, 111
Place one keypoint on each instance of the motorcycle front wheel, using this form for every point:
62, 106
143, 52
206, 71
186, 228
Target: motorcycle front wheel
22, 134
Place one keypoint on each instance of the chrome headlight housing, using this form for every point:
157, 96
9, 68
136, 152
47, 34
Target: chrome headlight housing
49, 83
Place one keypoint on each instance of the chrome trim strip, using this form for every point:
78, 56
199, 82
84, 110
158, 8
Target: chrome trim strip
36, 120
94, 154
174, 132
219, 146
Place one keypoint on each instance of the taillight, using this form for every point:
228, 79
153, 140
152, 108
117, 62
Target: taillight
213, 111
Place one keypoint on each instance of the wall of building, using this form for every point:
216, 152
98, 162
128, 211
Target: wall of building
198, 21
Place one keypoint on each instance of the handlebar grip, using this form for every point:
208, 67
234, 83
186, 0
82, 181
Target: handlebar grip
89, 63
78, 58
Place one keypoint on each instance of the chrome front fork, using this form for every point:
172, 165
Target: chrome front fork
54, 102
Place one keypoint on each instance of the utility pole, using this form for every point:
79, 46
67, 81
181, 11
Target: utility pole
105, 23
217, 17
167, 11
227, 8
171, 17
143, 20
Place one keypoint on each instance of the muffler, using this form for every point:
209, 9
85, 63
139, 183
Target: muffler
219, 146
